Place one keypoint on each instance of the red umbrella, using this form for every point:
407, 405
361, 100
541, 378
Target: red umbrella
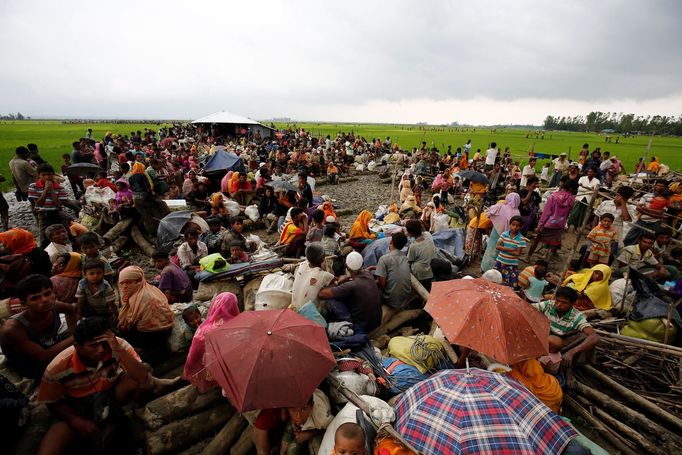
269, 359
489, 318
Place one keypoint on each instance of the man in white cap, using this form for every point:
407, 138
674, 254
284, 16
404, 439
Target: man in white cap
355, 298
560, 167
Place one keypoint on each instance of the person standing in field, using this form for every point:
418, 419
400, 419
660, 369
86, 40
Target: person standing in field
23, 173
528, 171
491, 156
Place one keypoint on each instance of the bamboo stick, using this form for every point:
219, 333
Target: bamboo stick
634, 398
599, 427
622, 339
637, 419
621, 428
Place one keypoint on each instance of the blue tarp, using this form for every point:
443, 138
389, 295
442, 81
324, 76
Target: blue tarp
224, 161
451, 241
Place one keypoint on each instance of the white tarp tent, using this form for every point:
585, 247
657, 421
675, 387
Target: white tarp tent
226, 117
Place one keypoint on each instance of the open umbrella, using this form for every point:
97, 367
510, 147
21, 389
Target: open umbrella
84, 169
489, 318
478, 412
170, 226
281, 185
269, 359
474, 176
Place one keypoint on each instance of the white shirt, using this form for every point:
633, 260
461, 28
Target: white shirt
559, 165
544, 174
528, 171
307, 284
467, 147
490, 156
586, 187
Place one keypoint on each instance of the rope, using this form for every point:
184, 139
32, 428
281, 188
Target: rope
422, 351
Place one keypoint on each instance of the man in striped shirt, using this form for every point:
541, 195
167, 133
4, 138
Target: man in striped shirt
568, 322
47, 197
85, 385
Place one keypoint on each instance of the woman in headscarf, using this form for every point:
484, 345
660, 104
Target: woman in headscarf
145, 319
360, 235
21, 241
66, 273
544, 386
554, 216
593, 288
406, 190
410, 208
328, 208
218, 205
233, 182
474, 233
223, 308
499, 215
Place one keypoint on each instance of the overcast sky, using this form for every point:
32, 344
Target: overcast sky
479, 62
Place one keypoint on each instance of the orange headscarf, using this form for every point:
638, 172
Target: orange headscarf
138, 168
328, 208
360, 228
143, 306
232, 184
18, 241
544, 386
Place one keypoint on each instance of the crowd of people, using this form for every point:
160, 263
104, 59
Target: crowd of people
81, 326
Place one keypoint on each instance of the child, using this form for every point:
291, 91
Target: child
95, 296
214, 237
536, 285
603, 236
192, 318
58, 237
89, 246
349, 439
237, 253
510, 246
418, 190
47, 198
544, 174
551, 363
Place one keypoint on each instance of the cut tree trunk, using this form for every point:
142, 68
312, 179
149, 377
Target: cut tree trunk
621, 428
226, 438
635, 398
395, 322
244, 444
176, 436
118, 229
176, 405
419, 288
597, 425
144, 244
668, 439
116, 246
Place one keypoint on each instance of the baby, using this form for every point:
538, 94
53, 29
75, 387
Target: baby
552, 362
349, 439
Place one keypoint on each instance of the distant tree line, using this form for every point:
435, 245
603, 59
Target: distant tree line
618, 122
17, 116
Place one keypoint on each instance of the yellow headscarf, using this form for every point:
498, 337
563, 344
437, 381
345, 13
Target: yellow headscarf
216, 200
72, 266
598, 291
360, 228
232, 184
544, 386
138, 168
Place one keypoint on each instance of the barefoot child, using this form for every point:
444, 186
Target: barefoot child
96, 297
510, 246
603, 236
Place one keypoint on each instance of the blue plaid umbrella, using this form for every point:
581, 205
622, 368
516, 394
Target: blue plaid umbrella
478, 412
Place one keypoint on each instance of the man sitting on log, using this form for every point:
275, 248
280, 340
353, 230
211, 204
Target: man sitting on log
85, 386
32, 338
570, 324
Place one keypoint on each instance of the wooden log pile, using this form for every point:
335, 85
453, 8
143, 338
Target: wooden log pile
633, 396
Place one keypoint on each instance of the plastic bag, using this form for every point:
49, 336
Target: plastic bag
274, 292
232, 207
252, 212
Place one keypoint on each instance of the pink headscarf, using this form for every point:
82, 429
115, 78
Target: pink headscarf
500, 214
98, 152
223, 308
